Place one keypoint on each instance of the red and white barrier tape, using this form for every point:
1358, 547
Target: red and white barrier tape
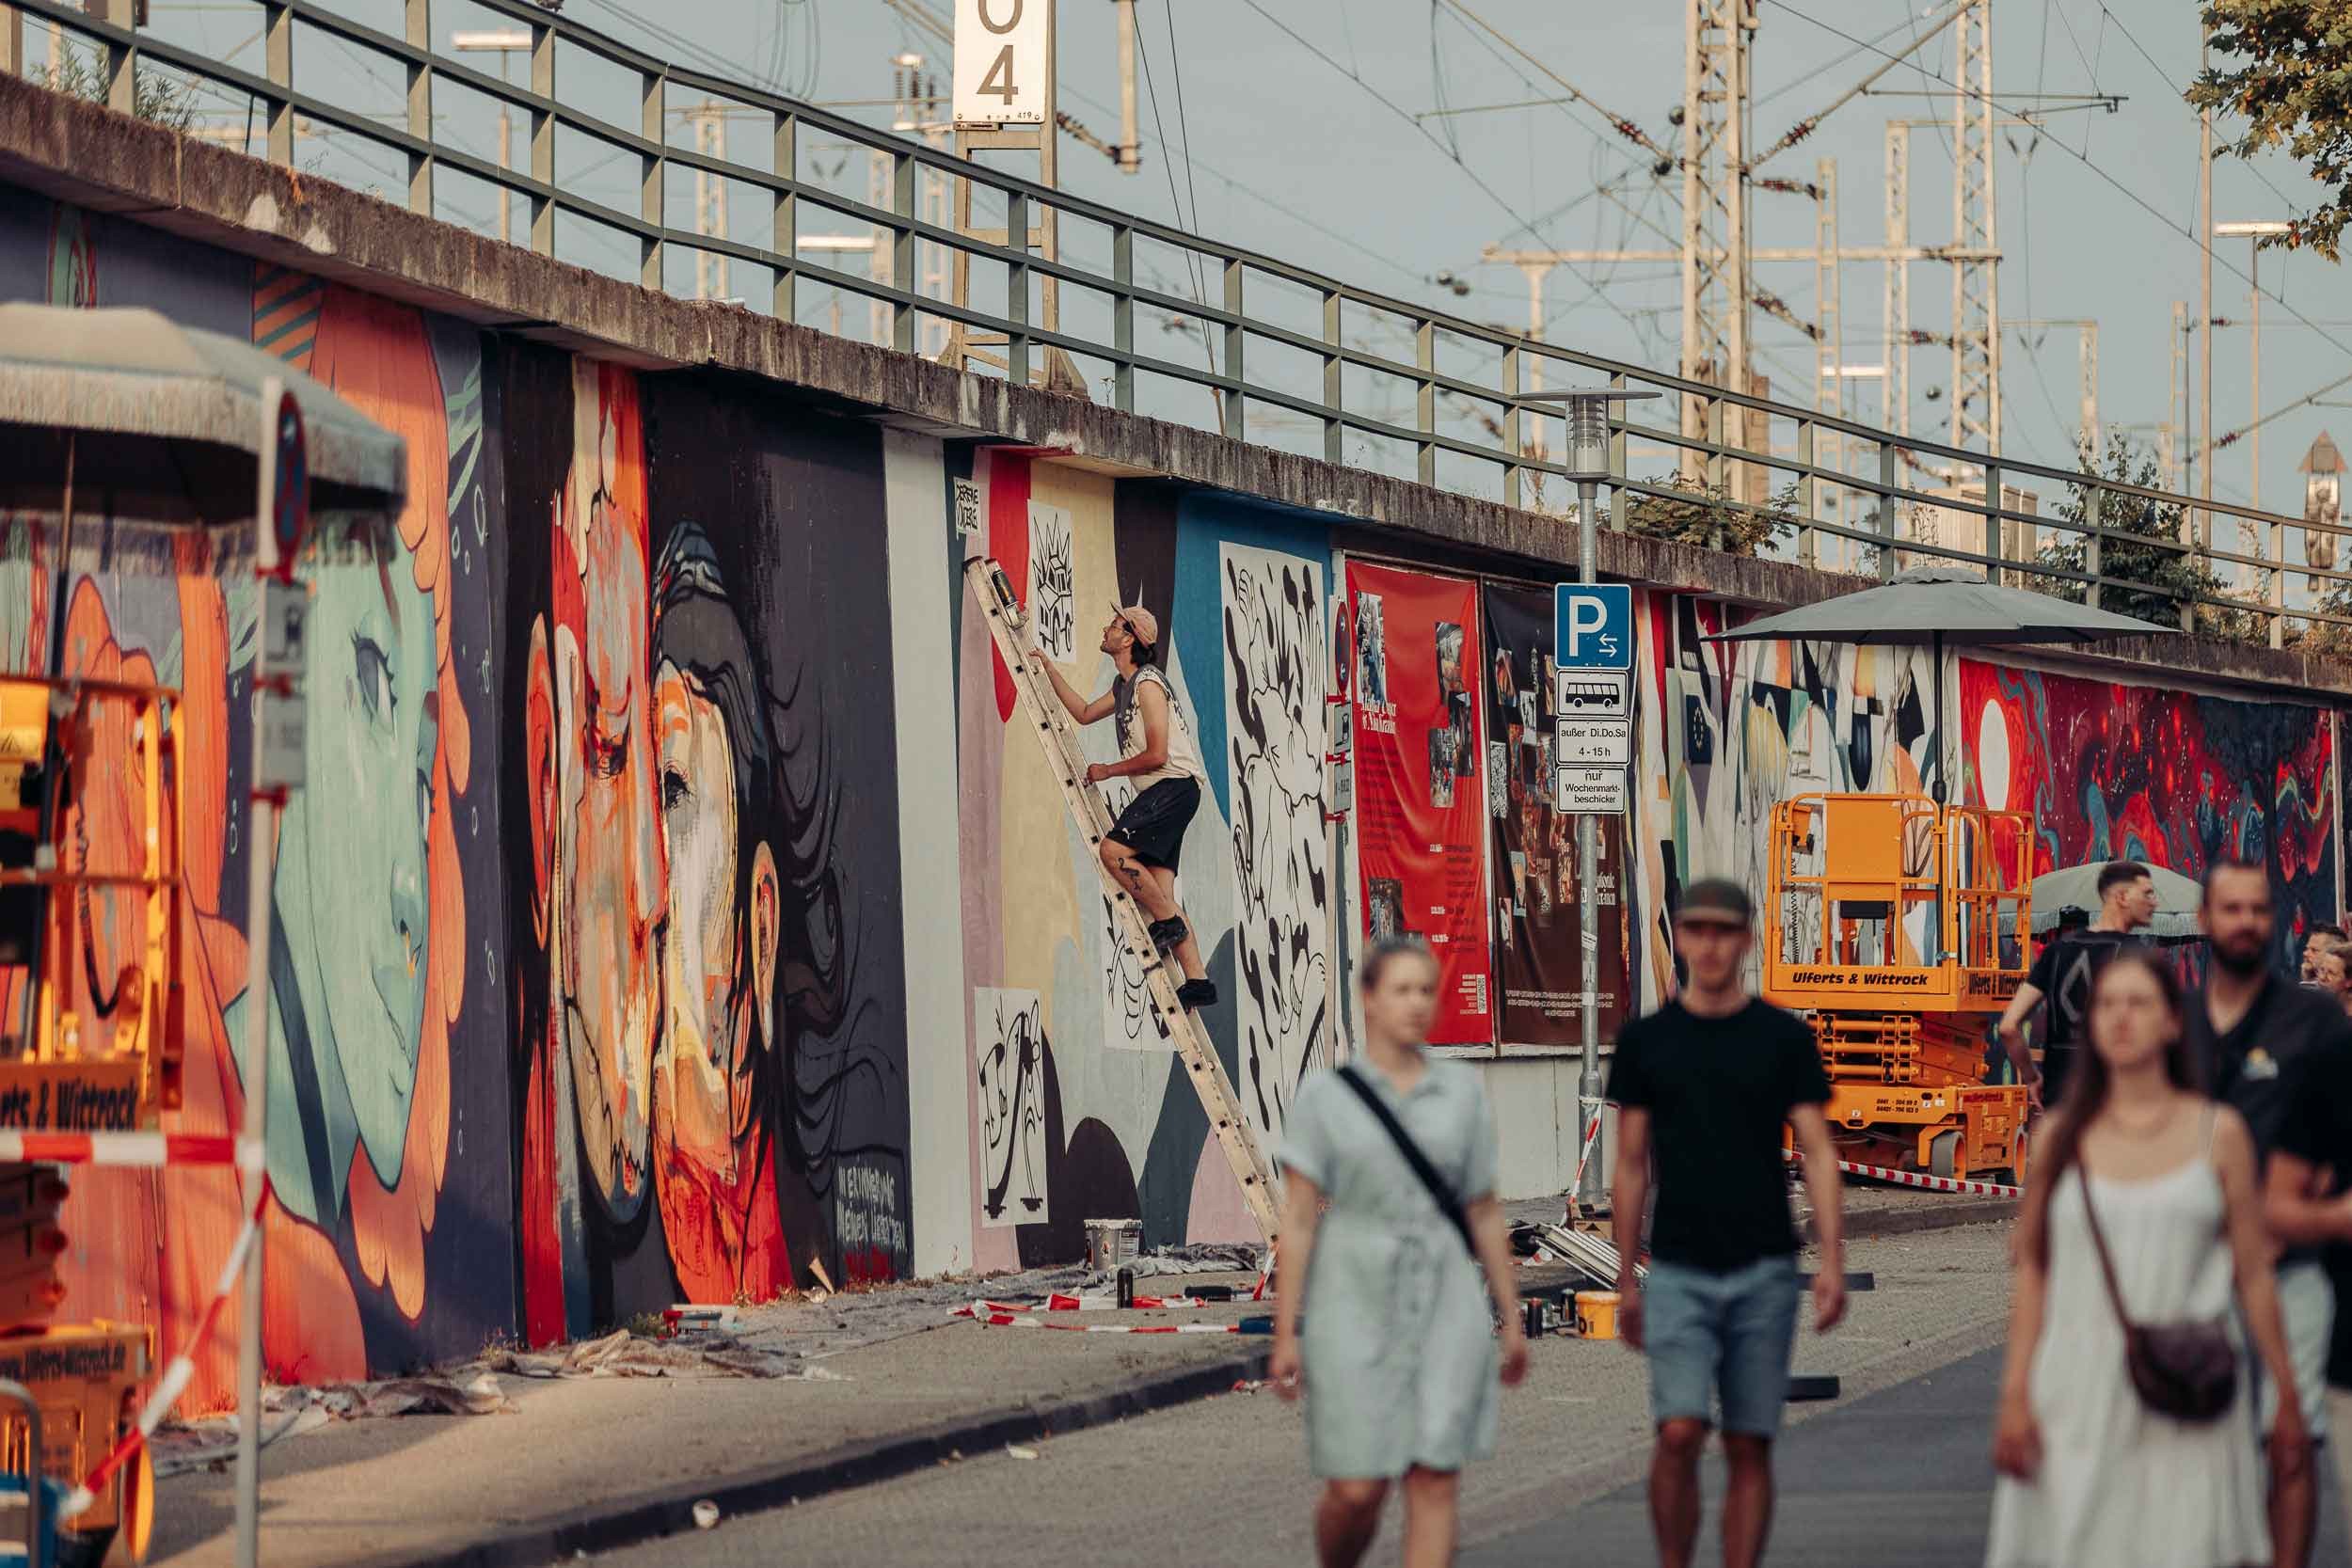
984, 1312
149, 1149
177, 1375
1931, 1184
1583, 1152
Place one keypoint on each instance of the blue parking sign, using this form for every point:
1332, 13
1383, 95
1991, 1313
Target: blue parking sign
1592, 625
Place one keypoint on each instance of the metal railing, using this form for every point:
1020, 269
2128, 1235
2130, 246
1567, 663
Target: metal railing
1287, 354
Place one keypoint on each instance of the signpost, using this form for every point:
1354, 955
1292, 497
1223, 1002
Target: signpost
1593, 630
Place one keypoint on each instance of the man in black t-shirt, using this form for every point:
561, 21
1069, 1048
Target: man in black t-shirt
2062, 977
1706, 1083
2282, 1056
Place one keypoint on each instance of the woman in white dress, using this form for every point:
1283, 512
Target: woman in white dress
2091, 1476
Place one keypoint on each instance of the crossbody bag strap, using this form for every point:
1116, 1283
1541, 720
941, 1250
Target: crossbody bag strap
1438, 1187
2099, 1244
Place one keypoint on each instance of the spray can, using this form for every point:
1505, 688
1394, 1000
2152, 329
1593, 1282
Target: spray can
1126, 1286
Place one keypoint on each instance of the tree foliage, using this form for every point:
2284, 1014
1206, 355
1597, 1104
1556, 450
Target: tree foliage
154, 97
2148, 554
1705, 516
2285, 76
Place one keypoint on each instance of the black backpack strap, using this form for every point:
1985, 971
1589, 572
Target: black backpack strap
1438, 1187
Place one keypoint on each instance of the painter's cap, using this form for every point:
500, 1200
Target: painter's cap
1716, 900
1141, 622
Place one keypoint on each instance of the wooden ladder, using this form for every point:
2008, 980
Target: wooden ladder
1058, 734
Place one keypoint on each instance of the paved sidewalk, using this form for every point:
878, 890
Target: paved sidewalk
588, 1460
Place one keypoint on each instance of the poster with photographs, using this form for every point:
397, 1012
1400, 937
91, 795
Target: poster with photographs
1372, 653
1424, 797
1539, 957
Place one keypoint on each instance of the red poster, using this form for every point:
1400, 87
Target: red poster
1421, 796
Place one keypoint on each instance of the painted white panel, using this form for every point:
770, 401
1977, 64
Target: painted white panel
939, 1122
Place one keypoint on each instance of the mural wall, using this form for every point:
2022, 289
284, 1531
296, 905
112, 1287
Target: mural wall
591, 976
1069, 1076
620, 1020
2150, 773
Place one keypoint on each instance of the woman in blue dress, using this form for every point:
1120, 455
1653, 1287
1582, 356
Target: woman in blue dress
1398, 1358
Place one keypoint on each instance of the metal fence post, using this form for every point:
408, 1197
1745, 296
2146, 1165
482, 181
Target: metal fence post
1886, 510
1809, 491
122, 60
1233, 408
2090, 545
1510, 424
1016, 290
1334, 382
420, 36
652, 175
1425, 399
278, 53
1124, 318
784, 300
1993, 531
542, 138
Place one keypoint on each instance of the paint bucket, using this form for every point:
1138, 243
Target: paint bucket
1597, 1314
1113, 1243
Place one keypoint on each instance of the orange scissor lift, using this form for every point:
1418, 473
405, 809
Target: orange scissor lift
70, 1388
1899, 927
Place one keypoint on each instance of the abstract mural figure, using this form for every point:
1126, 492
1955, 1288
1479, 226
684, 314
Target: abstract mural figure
1274, 715
589, 747
715, 1074
368, 956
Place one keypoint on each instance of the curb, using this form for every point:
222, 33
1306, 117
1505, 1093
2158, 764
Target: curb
1904, 1222
630, 1521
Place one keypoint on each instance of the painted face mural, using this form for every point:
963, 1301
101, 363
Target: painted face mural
712, 1076
592, 712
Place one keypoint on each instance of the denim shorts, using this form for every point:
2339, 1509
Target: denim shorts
2307, 1308
1727, 1334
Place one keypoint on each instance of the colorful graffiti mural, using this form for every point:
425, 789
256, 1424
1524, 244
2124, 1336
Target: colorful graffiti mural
646, 1046
1728, 730
590, 982
2151, 773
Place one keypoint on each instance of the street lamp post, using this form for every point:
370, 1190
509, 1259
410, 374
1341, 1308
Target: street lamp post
1586, 409
505, 42
2253, 232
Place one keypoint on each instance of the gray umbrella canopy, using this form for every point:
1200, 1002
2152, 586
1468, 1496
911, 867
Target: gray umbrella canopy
168, 420
2076, 887
1942, 604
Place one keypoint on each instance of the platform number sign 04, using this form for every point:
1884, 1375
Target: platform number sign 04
1004, 57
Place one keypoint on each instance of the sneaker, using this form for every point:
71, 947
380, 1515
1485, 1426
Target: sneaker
1167, 935
1196, 994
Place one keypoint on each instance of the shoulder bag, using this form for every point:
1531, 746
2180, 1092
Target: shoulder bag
1440, 1189
2186, 1371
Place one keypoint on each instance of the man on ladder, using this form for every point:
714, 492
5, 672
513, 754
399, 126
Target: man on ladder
1156, 751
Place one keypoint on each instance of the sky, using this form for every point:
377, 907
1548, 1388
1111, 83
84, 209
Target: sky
1290, 127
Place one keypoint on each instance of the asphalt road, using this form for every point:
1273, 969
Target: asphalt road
1897, 1473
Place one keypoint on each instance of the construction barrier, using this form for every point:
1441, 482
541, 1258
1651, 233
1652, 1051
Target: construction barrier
1929, 1183
176, 1376
149, 1150
985, 1312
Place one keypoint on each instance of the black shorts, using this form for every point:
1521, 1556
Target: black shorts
1154, 821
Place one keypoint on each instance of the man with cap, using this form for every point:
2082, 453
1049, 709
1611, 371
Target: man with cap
1159, 756
1705, 1084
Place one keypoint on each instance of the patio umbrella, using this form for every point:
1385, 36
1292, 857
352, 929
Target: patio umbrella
166, 422
2076, 887
1940, 606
